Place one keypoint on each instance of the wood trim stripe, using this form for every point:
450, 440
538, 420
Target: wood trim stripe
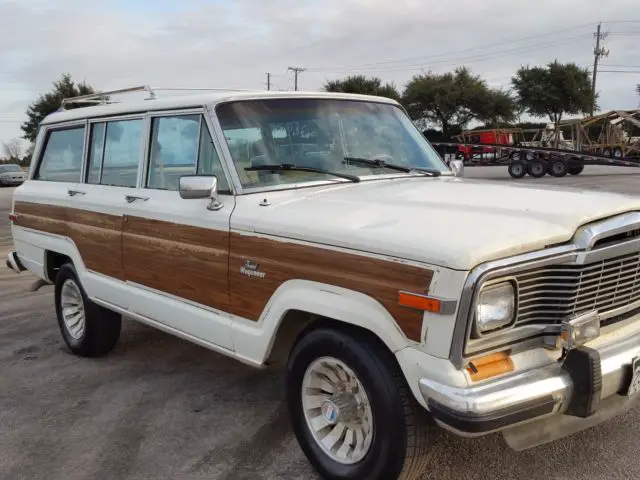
98, 236
185, 261
281, 261
204, 265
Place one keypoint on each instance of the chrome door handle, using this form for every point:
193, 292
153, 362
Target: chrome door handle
133, 198
71, 193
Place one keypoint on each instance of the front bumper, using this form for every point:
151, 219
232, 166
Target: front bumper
589, 379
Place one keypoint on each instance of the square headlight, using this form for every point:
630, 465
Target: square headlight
495, 307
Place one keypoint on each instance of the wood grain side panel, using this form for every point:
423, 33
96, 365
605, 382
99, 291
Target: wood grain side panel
282, 261
98, 236
182, 260
44, 218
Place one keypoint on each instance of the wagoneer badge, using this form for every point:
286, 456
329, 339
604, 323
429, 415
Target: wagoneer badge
251, 269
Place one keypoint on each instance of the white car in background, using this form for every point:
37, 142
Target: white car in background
11, 175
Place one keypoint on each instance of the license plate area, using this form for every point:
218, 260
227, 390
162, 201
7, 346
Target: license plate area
634, 386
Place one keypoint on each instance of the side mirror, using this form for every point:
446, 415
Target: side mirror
201, 186
457, 167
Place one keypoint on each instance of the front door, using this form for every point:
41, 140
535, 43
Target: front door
175, 250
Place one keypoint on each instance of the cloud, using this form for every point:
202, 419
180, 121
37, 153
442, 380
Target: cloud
225, 43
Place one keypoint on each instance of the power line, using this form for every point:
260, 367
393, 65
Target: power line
621, 71
468, 59
444, 54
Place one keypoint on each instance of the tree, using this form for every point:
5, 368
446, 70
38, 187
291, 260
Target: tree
50, 102
363, 85
13, 149
451, 100
554, 90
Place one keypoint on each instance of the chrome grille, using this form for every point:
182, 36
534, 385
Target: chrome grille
549, 294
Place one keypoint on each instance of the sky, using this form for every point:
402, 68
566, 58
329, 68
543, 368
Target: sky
234, 43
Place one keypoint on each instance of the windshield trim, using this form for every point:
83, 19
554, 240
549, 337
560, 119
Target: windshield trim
227, 158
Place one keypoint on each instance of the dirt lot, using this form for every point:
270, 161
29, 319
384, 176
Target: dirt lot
159, 407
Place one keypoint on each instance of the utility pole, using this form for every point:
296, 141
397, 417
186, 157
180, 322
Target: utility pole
598, 52
268, 81
295, 71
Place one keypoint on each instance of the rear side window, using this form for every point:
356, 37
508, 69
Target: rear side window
114, 153
62, 157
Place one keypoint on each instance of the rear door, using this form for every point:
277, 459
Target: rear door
110, 179
175, 251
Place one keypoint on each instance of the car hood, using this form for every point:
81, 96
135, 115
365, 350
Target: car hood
11, 174
451, 222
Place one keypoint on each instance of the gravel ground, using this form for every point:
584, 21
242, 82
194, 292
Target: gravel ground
159, 407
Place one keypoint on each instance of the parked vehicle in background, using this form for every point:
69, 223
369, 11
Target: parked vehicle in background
11, 175
325, 228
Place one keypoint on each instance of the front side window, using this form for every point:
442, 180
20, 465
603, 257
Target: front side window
62, 156
320, 133
182, 145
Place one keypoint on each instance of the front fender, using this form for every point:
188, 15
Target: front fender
255, 340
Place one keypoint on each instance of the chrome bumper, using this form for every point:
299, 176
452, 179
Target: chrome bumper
588, 380
13, 262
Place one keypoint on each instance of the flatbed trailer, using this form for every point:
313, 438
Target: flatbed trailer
535, 161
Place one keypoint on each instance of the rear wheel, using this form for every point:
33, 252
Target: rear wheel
88, 329
537, 168
351, 409
576, 169
517, 169
558, 167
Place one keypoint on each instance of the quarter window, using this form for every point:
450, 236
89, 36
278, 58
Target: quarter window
62, 156
181, 145
114, 153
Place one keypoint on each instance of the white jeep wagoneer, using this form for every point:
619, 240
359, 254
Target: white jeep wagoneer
325, 226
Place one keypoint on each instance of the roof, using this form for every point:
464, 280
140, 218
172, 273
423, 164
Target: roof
194, 101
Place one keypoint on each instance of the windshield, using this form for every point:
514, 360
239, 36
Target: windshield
322, 134
10, 168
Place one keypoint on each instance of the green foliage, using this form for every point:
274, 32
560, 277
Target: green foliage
363, 85
451, 100
50, 102
554, 90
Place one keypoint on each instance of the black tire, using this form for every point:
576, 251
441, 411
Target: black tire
537, 168
517, 169
558, 167
576, 169
101, 328
401, 426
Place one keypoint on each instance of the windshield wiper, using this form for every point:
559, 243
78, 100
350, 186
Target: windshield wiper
288, 167
377, 163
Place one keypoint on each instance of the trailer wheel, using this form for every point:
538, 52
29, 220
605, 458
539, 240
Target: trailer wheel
606, 152
618, 153
558, 167
517, 169
537, 169
576, 169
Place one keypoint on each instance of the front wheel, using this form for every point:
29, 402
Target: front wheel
351, 409
517, 169
88, 329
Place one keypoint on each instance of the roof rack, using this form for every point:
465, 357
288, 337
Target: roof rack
103, 97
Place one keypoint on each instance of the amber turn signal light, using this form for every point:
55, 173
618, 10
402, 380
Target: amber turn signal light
490, 366
419, 302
